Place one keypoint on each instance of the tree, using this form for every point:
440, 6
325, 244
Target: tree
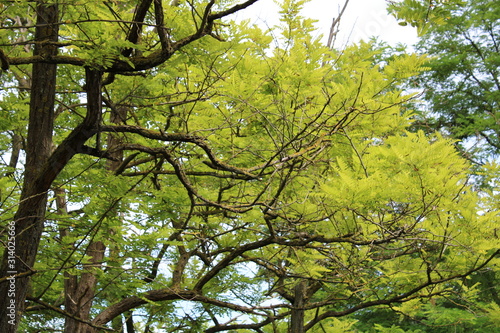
462, 86
184, 174
461, 94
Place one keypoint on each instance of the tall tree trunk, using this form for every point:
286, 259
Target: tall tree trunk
17, 143
27, 226
297, 315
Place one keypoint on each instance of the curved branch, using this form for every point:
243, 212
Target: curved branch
166, 294
135, 30
231, 10
214, 163
154, 135
160, 23
140, 63
66, 314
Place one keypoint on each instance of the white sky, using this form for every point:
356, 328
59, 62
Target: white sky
362, 20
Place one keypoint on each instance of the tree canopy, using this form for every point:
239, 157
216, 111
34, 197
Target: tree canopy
166, 169
460, 95
462, 87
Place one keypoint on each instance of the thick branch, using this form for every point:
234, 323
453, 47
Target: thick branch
140, 63
75, 141
164, 295
135, 31
160, 25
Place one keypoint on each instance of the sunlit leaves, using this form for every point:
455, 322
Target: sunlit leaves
423, 14
244, 167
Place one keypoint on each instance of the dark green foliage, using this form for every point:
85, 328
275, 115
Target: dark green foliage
462, 86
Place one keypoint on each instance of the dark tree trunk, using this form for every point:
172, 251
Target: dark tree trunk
129, 321
28, 222
297, 315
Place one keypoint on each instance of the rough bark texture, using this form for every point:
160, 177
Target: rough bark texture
297, 315
79, 293
17, 143
31, 211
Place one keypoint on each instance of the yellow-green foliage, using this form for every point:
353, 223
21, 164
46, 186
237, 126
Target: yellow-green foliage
255, 162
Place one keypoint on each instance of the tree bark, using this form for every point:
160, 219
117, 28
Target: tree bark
17, 142
79, 293
26, 229
297, 315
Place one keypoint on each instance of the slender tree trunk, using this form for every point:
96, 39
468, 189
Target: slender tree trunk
16, 150
27, 227
80, 291
129, 321
297, 315
118, 115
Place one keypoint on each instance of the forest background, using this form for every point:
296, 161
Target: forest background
168, 169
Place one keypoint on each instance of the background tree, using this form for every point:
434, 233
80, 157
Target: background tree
461, 87
461, 96
201, 176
